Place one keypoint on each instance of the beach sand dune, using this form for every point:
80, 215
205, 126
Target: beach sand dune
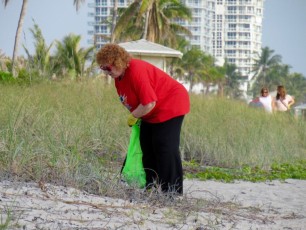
205, 205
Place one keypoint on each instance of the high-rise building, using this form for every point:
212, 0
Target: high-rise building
226, 29
100, 26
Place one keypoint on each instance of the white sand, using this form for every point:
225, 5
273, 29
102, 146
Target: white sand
239, 205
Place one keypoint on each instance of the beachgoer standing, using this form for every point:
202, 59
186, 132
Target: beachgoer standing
283, 100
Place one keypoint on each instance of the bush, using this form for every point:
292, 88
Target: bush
23, 78
6, 77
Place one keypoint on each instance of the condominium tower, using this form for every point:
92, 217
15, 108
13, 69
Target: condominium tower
226, 29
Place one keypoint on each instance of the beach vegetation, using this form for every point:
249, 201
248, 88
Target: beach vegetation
75, 134
5, 219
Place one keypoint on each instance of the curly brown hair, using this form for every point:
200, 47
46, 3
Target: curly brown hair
114, 55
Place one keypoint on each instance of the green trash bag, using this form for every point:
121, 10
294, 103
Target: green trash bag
133, 171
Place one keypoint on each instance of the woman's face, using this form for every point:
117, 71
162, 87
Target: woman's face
281, 92
112, 71
265, 93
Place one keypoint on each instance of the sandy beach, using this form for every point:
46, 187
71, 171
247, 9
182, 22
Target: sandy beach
205, 205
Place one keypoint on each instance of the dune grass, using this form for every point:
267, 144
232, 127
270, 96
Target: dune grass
75, 134
228, 133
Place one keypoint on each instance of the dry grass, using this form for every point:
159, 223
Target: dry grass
134, 207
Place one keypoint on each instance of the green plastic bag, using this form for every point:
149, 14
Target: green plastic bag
133, 171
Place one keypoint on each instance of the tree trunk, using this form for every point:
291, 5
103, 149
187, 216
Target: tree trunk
145, 32
220, 89
207, 88
114, 20
190, 82
18, 32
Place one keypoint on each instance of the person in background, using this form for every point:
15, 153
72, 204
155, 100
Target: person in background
161, 103
266, 100
283, 100
255, 103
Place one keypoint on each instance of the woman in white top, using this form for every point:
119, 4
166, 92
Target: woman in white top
283, 100
266, 100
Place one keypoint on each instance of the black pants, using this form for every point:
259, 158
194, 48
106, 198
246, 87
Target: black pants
161, 156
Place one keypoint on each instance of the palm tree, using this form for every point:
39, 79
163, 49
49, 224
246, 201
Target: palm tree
114, 20
296, 86
232, 77
153, 20
40, 60
264, 62
18, 31
78, 3
195, 64
277, 74
70, 57
126, 28
20, 24
211, 74
175, 69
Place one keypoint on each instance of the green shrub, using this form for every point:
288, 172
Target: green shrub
23, 78
6, 77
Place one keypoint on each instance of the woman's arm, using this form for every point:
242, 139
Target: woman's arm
291, 102
142, 110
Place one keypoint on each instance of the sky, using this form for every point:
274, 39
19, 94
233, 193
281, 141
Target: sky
284, 29
56, 19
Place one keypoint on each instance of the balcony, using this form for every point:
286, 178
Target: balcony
91, 23
90, 41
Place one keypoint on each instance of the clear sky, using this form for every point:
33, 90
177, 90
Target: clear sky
56, 19
284, 31
284, 28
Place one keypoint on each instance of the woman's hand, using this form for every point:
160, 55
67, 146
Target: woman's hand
131, 120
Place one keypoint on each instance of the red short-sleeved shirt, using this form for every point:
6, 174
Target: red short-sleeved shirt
144, 83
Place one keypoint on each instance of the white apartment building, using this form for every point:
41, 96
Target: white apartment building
100, 26
226, 29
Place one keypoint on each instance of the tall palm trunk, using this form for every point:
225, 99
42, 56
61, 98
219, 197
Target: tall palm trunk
18, 33
114, 21
191, 82
145, 34
220, 89
207, 88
